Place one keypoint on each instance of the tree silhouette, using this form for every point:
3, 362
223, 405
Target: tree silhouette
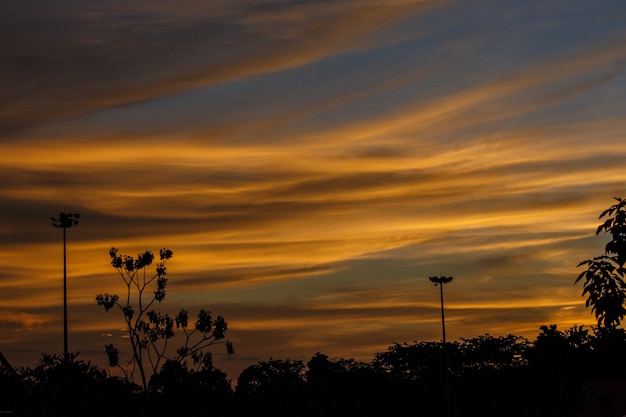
64, 385
487, 352
150, 331
271, 377
177, 390
271, 388
603, 280
339, 386
420, 361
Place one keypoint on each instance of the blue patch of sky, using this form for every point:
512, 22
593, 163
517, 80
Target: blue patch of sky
460, 48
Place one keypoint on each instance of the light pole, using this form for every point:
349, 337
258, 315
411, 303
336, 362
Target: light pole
65, 221
439, 281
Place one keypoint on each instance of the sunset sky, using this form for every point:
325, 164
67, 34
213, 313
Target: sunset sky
310, 163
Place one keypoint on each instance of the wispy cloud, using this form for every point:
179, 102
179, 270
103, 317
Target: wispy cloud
82, 58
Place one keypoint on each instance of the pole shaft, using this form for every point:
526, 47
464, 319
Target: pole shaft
445, 353
443, 320
65, 350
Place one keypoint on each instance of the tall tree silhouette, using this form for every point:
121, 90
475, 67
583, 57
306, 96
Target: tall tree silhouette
148, 330
603, 280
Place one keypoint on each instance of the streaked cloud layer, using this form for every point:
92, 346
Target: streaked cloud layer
310, 164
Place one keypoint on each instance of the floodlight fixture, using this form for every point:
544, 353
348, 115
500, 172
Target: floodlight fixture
65, 220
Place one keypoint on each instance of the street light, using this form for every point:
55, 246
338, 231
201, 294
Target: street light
65, 221
439, 281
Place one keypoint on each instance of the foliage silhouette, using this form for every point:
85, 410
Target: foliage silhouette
476, 366
172, 388
604, 277
486, 352
63, 386
150, 331
271, 388
271, 377
16, 395
341, 387
420, 361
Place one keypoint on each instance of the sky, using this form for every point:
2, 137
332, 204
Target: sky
310, 164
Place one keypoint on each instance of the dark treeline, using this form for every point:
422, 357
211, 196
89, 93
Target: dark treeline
487, 376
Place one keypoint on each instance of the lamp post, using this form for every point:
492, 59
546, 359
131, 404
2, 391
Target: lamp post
439, 281
65, 221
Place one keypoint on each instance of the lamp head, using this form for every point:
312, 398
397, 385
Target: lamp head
440, 280
65, 220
